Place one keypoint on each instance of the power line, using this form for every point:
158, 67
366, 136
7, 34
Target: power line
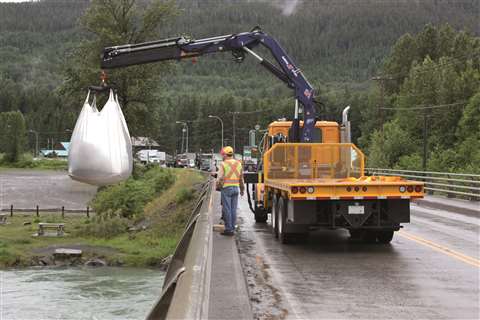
251, 112
236, 113
419, 107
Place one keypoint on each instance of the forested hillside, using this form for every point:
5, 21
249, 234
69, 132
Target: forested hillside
339, 45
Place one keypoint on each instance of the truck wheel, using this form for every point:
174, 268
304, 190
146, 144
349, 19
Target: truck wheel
385, 236
275, 216
282, 221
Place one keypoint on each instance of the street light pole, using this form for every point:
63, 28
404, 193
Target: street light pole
185, 126
221, 122
183, 140
186, 146
36, 142
233, 122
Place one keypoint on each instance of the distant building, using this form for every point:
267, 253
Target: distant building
60, 150
139, 143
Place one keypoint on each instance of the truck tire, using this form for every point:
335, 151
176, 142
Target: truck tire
275, 216
283, 236
385, 236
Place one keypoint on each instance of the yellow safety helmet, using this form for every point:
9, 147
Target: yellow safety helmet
228, 151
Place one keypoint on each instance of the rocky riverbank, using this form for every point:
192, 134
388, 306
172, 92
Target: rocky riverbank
83, 255
108, 238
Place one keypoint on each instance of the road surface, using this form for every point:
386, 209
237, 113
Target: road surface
429, 271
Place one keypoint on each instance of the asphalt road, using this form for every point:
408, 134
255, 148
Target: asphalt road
26, 188
430, 271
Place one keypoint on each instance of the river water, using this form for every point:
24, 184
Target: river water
78, 293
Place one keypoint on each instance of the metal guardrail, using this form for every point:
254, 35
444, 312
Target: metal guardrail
185, 289
452, 184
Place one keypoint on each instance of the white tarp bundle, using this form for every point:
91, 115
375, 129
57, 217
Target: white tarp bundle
100, 151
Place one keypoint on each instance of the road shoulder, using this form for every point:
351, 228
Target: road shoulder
466, 207
228, 292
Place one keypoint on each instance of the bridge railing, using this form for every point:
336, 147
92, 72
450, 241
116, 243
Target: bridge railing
185, 288
460, 185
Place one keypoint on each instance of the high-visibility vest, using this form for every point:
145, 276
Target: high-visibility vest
232, 170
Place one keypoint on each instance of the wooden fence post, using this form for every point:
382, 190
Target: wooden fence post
11, 210
38, 213
63, 212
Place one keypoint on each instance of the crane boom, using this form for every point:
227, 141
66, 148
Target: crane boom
239, 44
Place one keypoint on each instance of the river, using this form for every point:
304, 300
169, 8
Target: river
78, 293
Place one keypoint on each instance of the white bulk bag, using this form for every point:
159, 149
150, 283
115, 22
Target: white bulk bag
100, 151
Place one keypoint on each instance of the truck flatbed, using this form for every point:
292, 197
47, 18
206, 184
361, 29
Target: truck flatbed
339, 189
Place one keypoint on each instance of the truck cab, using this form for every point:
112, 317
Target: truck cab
278, 131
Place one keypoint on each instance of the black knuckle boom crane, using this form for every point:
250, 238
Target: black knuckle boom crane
239, 44
315, 178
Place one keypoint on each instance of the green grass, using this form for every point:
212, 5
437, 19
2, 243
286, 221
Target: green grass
168, 215
50, 164
27, 162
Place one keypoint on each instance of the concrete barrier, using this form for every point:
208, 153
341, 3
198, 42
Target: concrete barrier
185, 290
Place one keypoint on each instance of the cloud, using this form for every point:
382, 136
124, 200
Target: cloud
289, 6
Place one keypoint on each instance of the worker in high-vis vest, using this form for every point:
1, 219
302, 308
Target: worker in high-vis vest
230, 179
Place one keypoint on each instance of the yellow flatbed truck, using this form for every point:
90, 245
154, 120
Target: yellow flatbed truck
322, 184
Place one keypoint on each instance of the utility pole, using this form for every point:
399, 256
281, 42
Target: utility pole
424, 164
381, 105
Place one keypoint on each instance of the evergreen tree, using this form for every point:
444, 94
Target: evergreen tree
13, 135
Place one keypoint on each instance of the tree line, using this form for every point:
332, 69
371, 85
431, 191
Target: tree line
46, 67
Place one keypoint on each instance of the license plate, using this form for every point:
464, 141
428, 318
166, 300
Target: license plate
356, 209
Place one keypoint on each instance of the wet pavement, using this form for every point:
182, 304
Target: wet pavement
430, 270
26, 188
